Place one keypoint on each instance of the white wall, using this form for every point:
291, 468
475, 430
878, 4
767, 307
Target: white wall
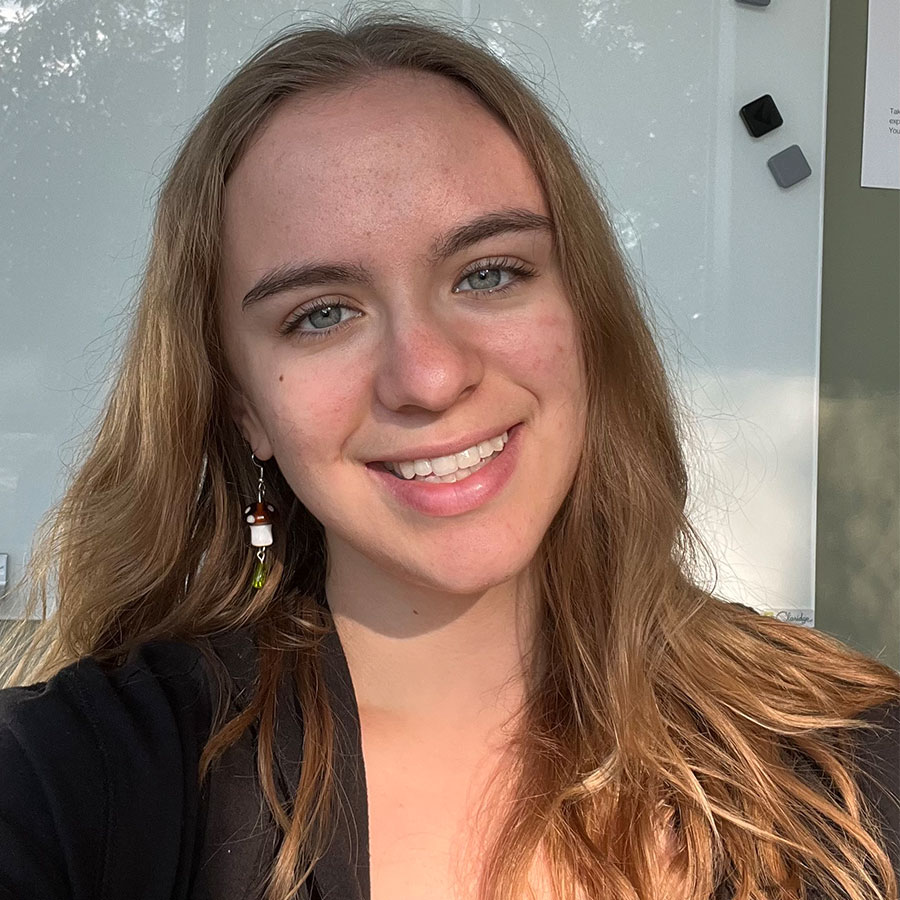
95, 95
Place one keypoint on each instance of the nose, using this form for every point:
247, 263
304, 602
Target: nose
426, 363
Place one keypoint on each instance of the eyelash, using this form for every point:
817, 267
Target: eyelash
505, 264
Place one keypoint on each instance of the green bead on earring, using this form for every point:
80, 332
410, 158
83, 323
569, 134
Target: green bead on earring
259, 571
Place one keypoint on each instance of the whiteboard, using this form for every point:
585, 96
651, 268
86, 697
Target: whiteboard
96, 98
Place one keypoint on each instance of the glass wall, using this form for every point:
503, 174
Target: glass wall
95, 97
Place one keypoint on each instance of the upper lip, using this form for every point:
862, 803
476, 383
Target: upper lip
432, 451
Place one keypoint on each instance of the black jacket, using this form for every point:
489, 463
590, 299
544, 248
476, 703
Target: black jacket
99, 797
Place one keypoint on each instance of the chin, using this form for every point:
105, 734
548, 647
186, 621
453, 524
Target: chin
465, 574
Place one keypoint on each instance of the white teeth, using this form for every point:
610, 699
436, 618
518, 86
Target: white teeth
443, 467
458, 475
468, 458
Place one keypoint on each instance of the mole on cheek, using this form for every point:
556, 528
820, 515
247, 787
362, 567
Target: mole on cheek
281, 377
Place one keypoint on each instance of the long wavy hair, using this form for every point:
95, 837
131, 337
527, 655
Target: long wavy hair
657, 704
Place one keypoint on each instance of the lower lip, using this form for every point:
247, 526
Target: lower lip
435, 499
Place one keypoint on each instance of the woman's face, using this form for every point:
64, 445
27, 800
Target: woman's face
410, 214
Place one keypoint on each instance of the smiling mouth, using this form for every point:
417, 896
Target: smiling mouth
447, 469
459, 475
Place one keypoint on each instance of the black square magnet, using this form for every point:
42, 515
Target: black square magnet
789, 166
761, 116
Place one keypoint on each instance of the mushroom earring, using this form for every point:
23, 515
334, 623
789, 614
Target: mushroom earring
259, 517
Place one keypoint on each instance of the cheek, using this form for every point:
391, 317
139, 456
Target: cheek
308, 409
545, 358
544, 353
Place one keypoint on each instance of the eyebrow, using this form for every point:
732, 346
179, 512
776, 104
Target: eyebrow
291, 276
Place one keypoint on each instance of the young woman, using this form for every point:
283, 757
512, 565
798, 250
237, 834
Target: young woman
377, 580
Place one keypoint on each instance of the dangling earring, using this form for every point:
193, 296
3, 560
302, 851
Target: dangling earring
259, 516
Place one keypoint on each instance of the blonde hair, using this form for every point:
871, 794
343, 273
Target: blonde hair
655, 699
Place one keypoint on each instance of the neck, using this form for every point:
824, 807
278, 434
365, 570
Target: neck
425, 658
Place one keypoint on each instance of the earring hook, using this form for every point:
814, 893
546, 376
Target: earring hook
261, 485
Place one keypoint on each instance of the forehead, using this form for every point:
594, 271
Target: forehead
399, 157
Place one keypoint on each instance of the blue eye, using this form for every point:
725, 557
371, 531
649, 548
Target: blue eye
325, 324
487, 276
485, 279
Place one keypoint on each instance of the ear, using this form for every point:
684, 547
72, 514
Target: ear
248, 422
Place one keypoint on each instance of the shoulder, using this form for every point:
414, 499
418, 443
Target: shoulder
161, 691
877, 754
881, 743
93, 758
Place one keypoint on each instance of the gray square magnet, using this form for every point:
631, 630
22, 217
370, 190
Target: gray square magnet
754, 2
789, 166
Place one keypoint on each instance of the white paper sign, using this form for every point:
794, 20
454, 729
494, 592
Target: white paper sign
881, 123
